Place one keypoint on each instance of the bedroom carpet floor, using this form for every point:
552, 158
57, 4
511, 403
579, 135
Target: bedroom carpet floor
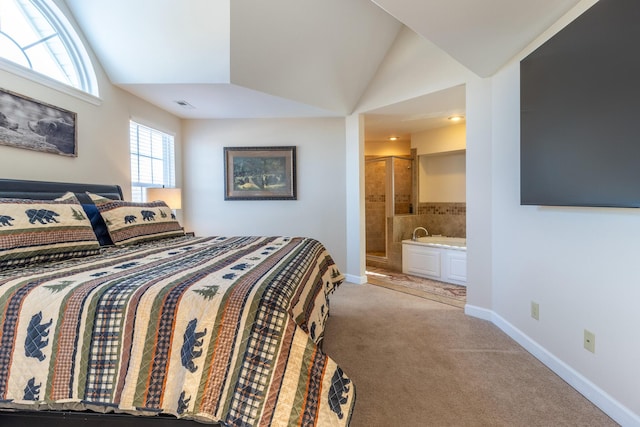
418, 362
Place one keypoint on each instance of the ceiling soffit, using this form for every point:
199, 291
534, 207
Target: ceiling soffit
158, 41
415, 115
320, 53
481, 35
288, 58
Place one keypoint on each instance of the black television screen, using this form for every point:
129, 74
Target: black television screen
580, 112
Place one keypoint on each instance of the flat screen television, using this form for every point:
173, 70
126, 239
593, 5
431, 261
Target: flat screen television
580, 112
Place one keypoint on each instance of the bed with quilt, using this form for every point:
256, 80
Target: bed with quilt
109, 310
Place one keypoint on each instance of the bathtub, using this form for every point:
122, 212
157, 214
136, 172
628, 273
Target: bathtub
436, 257
456, 243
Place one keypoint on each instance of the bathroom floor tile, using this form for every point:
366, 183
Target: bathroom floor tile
446, 293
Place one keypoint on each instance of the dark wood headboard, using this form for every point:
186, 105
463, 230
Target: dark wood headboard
45, 190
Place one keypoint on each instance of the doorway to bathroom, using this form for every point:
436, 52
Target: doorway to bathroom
414, 173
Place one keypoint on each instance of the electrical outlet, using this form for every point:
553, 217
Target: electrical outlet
535, 310
590, 341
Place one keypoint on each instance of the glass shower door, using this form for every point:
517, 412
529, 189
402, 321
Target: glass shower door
376, 207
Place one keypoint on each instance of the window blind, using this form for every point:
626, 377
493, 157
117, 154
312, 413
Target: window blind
152, 160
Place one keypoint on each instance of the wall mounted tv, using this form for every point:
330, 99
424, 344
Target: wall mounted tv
580, 112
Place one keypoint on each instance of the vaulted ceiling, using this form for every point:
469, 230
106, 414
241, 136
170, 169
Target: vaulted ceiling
293, 58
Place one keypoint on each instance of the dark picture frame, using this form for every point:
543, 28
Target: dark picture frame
34, 125
260, 173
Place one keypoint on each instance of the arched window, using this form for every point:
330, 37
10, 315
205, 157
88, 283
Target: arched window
36, 35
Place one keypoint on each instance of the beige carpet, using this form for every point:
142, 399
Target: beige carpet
417, 362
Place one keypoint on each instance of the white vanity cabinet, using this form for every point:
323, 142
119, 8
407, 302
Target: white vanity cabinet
438, 262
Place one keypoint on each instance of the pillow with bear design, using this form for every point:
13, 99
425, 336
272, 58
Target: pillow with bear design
44, 230
134, 222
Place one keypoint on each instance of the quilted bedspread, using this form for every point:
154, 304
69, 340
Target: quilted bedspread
212, 329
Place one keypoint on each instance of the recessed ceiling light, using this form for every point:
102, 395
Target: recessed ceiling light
456, 118
393, 138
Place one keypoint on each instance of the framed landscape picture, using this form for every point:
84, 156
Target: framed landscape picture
260, 173
33, 125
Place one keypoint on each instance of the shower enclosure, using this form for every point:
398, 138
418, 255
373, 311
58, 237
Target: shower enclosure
389, 191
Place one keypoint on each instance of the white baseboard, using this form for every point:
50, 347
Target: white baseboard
358, 280
614, 409
479, 312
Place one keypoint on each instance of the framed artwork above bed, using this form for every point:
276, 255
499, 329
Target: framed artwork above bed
34, 125
260, 173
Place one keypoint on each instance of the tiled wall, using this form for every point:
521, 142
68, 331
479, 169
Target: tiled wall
403, 181
447, 219
375, 199
375, 206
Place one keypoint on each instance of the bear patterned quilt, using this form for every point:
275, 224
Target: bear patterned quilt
214, 329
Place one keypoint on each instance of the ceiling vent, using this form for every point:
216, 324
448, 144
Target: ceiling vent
184, 104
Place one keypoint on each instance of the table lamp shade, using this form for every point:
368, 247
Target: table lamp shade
171, 196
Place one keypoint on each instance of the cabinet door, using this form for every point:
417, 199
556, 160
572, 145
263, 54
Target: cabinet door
422, 261
456, 266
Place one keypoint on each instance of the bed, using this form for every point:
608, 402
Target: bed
119, 318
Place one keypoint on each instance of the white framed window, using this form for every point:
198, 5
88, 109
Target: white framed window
152, 160
36, 36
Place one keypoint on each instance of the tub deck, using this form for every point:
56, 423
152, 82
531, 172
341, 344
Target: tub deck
458, 243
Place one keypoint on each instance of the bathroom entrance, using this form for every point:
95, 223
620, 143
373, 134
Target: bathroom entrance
389, 191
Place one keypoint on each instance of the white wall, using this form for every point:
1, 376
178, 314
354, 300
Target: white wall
479, 193
579, 264
387, 148
442, 163
102, 134
444, 139
442, 178
320, 209
355, 189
